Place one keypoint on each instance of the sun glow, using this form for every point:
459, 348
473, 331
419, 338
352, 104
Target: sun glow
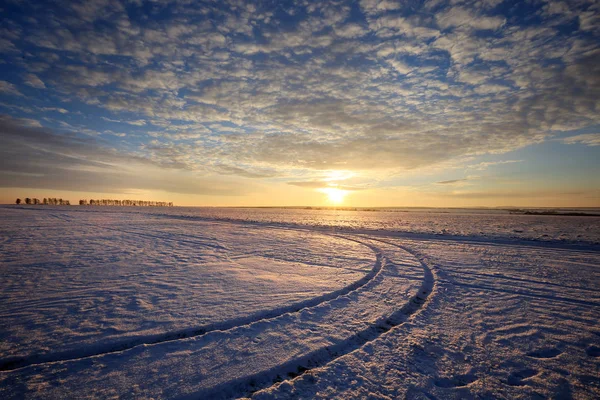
338, 175
335, 196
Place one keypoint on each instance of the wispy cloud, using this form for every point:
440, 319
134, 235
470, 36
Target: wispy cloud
325, 184
33, 81
47, 159
590, 139
9, 89
452, 181
485, 165
139, 122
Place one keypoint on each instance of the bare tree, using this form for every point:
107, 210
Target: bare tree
132, 203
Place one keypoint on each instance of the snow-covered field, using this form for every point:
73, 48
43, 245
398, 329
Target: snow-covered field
225, 303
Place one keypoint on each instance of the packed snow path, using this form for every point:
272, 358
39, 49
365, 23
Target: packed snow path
345, 316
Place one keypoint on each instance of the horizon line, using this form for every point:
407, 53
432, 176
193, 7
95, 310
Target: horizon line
332, 207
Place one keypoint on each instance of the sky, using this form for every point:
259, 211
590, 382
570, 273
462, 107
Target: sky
371, 103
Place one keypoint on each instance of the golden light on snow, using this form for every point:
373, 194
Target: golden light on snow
335, 196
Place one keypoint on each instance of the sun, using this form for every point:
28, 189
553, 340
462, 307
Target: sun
335, 196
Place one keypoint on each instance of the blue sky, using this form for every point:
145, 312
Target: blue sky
430, 103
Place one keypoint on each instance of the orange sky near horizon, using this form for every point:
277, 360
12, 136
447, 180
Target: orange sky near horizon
289, 196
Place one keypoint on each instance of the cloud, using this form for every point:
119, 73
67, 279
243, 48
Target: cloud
401, 67
485, 165
45, 159
33, 81
452, 181
390, 25
472, 77
589, 21
9, 88
56, 109
248, 173
324, 185
379, 6
589, 139
491, 89
310, 184
139, 122
458, 17
350, 31
519, 194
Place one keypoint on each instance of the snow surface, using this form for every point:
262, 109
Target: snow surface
481, 223
72, 281
177, 303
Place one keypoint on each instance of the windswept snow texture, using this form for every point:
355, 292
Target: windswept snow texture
481, 223
504, 322
72, 281
109, 302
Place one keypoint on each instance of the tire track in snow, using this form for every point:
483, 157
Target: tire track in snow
220, 364
325, 356
14, 363
249, 384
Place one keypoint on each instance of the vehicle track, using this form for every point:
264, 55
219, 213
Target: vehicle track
206, 351
297, 365
418, 301
13, 363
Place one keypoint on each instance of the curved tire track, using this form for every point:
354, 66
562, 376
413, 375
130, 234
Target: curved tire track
319, 359
13, 363
127, 361
242, 360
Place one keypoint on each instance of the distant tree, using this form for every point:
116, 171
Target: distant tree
27, 200
45, 201
18, 201
114, 202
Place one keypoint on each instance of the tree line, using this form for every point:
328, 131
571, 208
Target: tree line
138, 203
52, 201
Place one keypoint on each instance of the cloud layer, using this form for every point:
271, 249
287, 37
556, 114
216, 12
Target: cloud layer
287, 89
